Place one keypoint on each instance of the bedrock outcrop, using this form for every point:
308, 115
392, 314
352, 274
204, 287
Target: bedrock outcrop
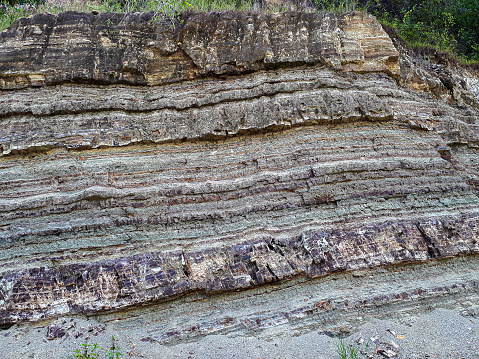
237, 151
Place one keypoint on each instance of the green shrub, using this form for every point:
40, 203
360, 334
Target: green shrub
447, 25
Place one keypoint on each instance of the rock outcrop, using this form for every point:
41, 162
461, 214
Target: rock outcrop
141, 163
114, 48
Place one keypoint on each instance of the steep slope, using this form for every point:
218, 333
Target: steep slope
141, 163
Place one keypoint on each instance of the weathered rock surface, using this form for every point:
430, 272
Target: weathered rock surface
113, 48
139, 164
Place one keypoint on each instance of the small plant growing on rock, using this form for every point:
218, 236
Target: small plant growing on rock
92, 351
354, 351
114, 352
346, 351
89, 351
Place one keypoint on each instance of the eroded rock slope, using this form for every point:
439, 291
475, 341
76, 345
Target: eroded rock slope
141, 163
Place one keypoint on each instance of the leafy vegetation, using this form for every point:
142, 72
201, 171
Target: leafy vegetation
447, 25
88, 351
92, 351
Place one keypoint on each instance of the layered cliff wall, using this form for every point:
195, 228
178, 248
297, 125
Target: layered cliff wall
141, 163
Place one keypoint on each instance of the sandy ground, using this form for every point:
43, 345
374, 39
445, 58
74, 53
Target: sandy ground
438, 334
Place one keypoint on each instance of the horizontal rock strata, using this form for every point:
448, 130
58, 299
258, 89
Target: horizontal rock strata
335, 304
294, 158
114, 48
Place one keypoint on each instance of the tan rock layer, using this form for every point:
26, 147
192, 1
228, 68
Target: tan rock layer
114, 48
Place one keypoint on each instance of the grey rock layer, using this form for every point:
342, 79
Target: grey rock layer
307, 155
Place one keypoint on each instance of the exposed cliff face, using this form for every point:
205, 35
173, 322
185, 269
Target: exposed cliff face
141, 163
112, 48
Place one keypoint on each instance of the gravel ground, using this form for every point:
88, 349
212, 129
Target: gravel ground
439, 334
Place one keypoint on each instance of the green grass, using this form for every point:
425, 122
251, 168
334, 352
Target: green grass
346, 351
338, 7
470, 63
220, 5
170, 8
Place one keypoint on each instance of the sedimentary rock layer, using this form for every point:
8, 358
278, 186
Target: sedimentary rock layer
332, 304
285, 167
133, 49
